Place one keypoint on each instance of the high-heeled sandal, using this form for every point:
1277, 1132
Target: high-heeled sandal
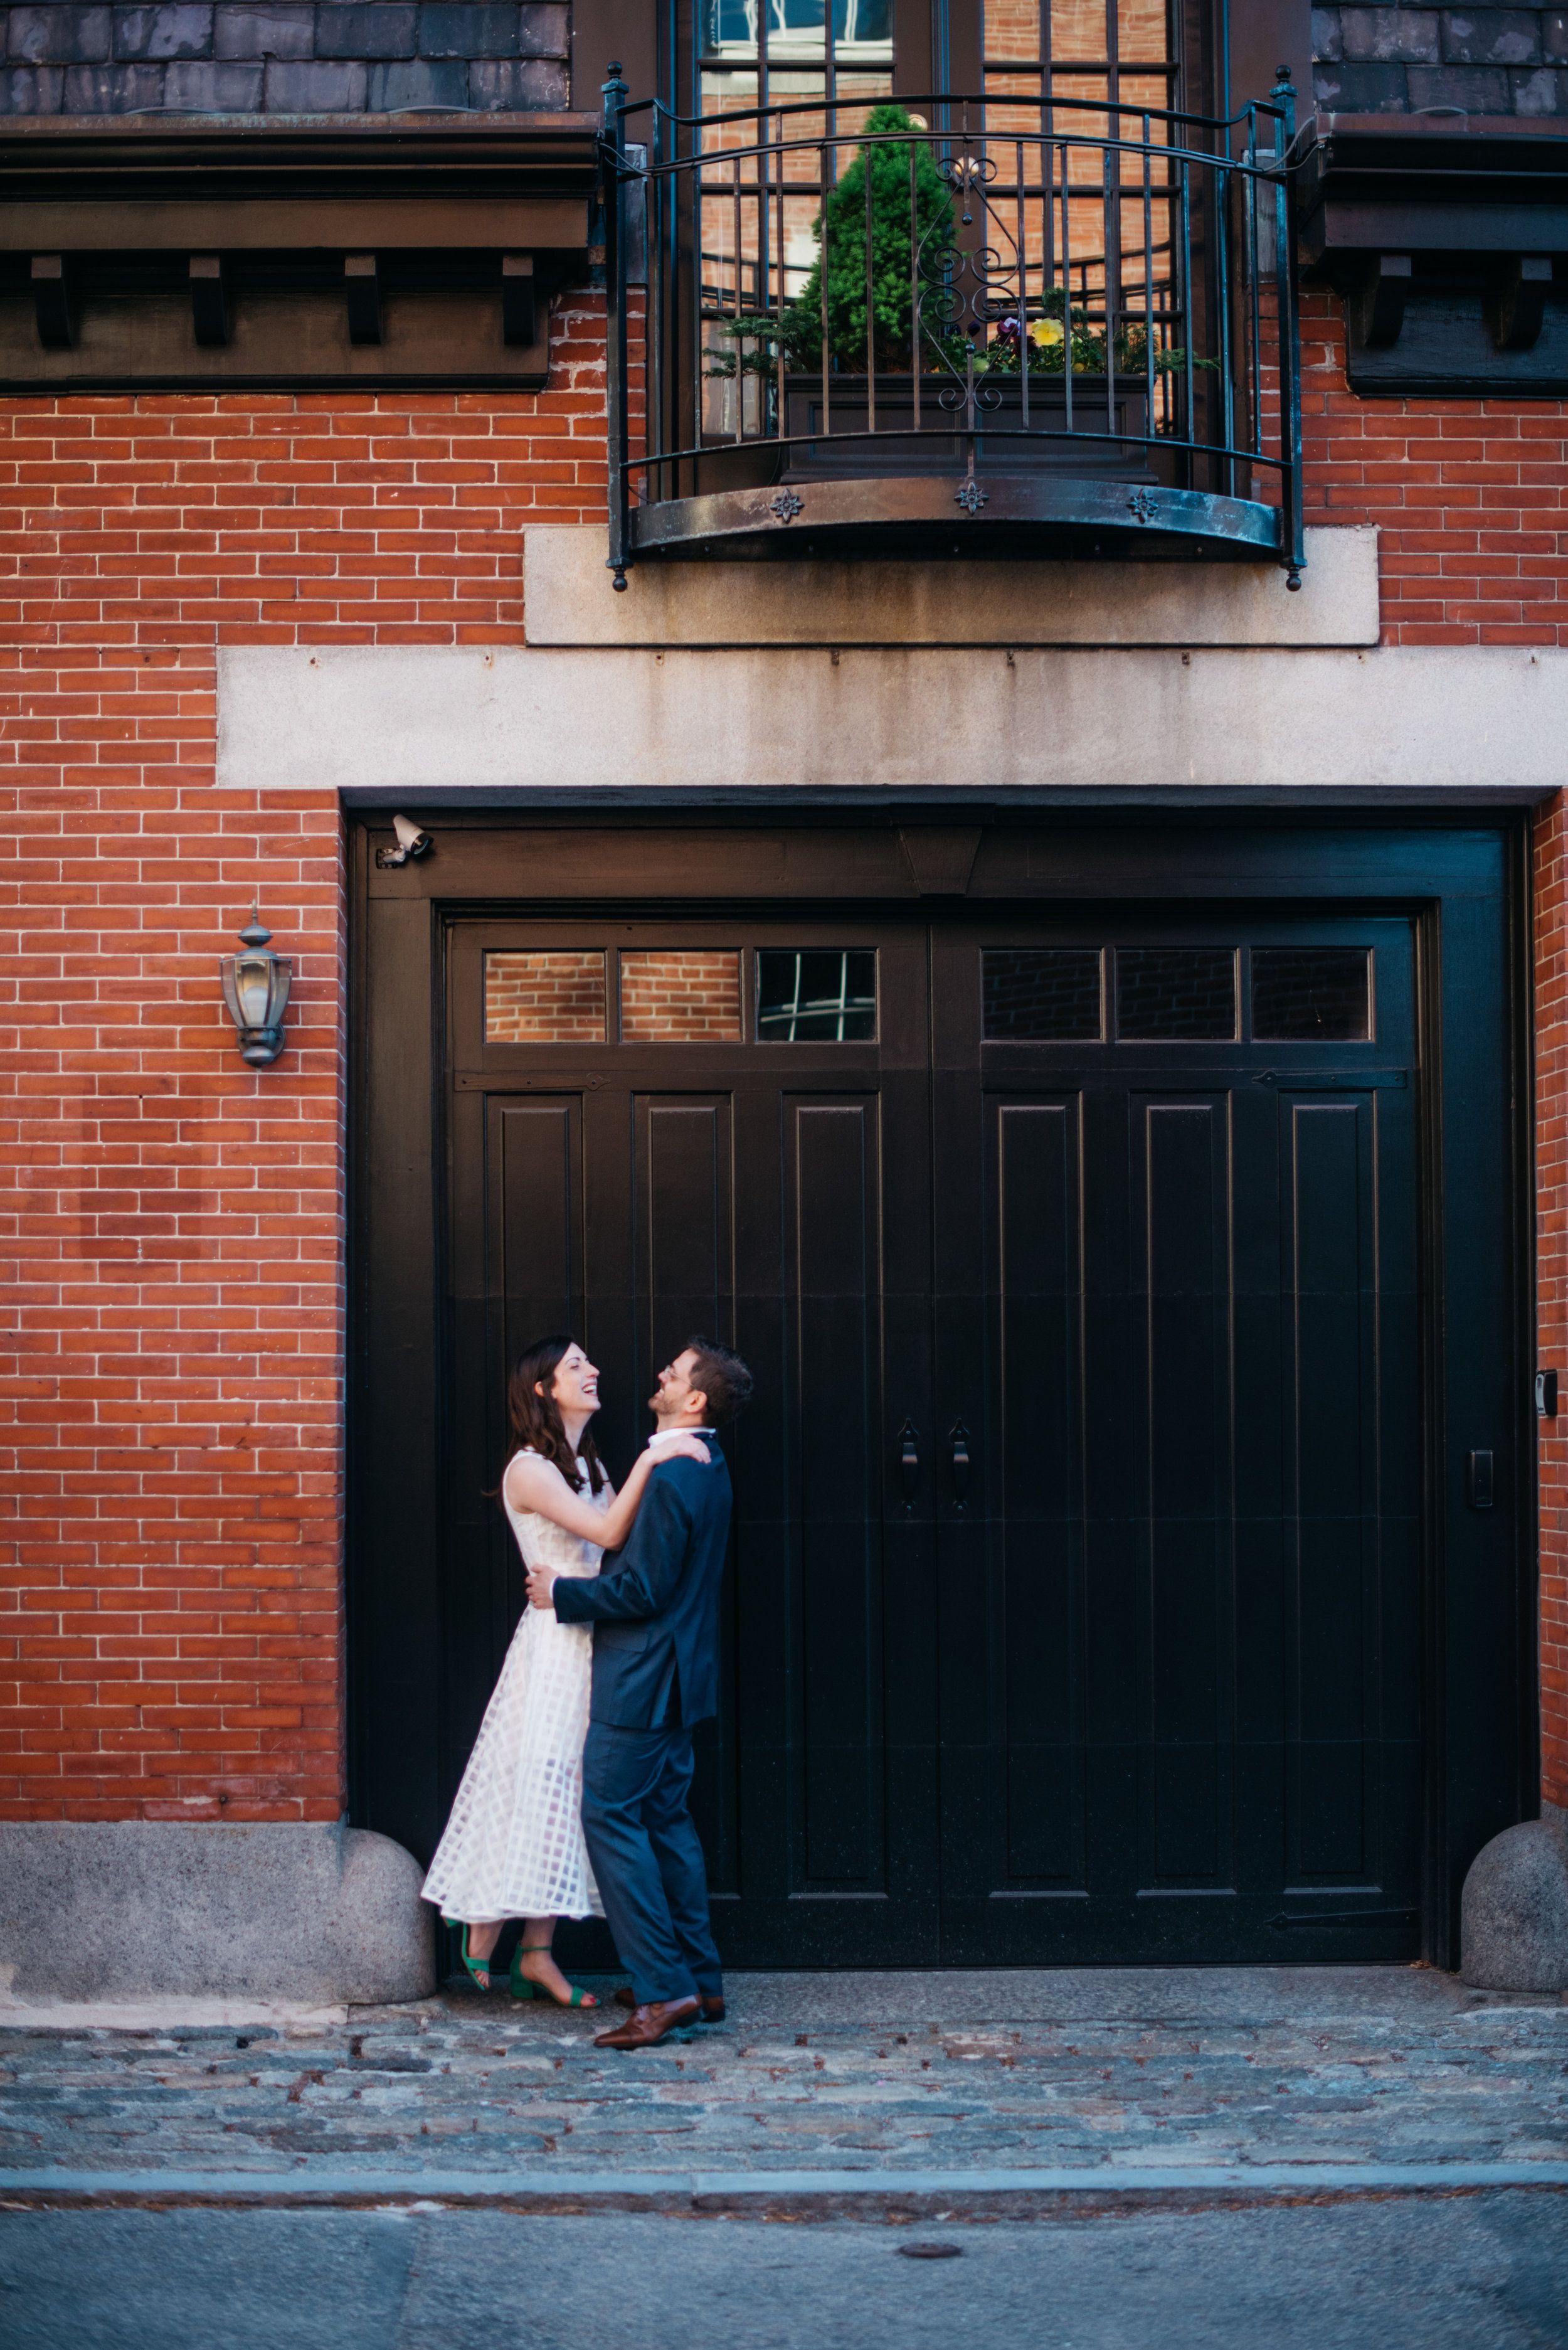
524, 1986
478, 1970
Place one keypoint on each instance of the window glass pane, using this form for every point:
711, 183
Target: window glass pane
1300, 992
815, 995
672, 997
1176, 992
796, 24
544, 999
1046, 993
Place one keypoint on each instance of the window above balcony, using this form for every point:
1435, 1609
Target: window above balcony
1051, 312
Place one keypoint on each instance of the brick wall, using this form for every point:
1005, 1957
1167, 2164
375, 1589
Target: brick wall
1469, 495
171, 1630
678, 998
544, 999
170, 1458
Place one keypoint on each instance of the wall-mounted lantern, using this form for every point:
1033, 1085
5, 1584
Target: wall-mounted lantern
255, 988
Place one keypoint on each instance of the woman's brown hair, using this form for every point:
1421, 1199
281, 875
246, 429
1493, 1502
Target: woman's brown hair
534, 1420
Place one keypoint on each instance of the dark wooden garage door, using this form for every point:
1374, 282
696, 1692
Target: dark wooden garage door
1175, 1293
1076, 1608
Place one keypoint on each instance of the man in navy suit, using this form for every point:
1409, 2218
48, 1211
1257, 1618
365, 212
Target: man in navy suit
654, 1606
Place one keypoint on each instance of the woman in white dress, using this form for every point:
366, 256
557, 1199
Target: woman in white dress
514, 1845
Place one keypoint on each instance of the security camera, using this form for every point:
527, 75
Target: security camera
412, 844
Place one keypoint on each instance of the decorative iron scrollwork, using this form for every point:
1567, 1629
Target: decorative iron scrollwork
971, 497
786, 505
1143, 505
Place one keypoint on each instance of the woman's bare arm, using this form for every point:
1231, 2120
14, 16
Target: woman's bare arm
533, 1483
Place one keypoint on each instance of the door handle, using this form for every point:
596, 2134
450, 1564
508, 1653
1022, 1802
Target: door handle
909, 1461
958, 1441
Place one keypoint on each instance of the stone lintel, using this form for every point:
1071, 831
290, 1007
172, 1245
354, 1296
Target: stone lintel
570, 602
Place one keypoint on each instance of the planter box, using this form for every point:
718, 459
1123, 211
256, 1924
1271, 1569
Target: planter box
941, 445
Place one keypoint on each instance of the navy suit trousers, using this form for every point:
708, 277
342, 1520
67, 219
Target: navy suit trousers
648, 1861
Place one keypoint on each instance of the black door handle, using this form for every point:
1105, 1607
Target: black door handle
958, 1440
909, 1461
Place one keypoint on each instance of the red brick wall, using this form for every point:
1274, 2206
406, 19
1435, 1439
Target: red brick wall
557, 998
170, 1610
1467, 494
680, 997
170, 1464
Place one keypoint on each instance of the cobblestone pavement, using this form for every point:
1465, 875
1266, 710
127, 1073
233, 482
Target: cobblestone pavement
884, 2073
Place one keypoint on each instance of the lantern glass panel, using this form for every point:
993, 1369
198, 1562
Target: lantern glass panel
252, 984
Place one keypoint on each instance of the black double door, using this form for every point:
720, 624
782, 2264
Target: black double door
1074, 1610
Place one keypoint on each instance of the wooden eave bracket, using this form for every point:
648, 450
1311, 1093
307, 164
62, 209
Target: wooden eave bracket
1380, 304
1518, 311
208, 300
517, 313
52, 301
362, 289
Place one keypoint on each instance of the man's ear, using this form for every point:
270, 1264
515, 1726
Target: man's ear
697, 1395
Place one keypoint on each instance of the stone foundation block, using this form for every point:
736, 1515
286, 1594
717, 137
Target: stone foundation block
124, 1910
1513, 1929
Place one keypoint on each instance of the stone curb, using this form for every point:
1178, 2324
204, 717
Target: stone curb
696, 2190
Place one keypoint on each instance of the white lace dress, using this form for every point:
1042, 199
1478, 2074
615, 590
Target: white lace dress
513, 1845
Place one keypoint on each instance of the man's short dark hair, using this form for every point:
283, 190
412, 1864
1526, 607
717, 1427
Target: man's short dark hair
722, 1377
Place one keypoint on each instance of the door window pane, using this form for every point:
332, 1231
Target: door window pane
544, 999
824, 996
1303, 992
1176, 995
674, 997
1043, 994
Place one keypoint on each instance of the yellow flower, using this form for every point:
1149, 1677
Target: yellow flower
1046, 333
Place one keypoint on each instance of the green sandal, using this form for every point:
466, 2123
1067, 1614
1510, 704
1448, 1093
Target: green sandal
478, 1970
524, 1987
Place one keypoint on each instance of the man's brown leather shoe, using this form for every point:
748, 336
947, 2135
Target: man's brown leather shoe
645, 2027
712, 2008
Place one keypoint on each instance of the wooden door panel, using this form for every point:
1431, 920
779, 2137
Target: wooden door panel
1187, 1707
1040, 1428
1181, 1261
683, 1258
780, 1200
831, 1254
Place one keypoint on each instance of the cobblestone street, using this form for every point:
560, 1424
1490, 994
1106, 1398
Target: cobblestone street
863, 2075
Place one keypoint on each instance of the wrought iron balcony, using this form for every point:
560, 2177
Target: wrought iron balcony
1036, 327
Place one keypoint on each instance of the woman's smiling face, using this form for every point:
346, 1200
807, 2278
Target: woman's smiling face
576, 1385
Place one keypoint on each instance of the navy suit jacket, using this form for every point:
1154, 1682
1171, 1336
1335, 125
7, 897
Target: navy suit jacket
657, 1599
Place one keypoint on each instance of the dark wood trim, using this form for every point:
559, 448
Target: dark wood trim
1441, 238
748, 804
1438, 1901
120, 159
622, 30
100, 223
1264, 36
128, 335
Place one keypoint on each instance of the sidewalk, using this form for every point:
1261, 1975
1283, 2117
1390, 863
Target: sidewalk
890, 2083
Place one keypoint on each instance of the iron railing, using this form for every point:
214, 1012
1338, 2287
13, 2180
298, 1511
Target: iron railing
1080, 316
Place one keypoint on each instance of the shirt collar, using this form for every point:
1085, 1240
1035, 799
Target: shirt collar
664, 1435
